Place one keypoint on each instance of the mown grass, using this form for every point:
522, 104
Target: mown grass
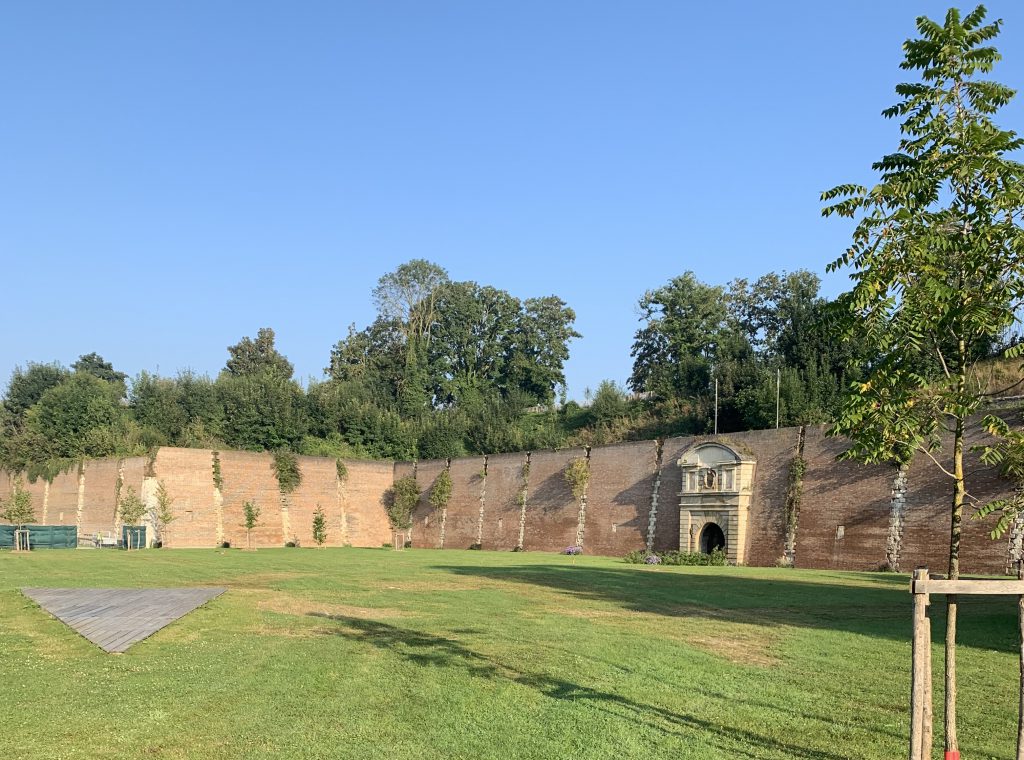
361, 653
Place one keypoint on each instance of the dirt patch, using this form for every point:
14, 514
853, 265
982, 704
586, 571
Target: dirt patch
264, 580
741, 649
702, 628
427, 587
290, 605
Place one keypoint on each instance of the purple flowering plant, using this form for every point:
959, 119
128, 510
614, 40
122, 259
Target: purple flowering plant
572, 551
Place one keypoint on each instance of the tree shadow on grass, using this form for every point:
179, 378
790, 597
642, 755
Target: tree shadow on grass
426, 649
881, 609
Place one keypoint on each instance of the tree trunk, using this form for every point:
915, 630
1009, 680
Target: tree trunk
954, 572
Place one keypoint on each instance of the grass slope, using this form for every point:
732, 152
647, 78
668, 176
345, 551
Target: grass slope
361, 653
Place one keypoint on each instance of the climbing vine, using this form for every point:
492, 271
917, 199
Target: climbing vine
577, 475
521, 494
441, 492
218, 478
794, 494
150, 471
286, 468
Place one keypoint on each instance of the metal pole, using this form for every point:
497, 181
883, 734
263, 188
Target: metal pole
716, 406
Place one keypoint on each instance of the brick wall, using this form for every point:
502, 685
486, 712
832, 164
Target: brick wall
426, 522
619, 497
187, 474
464, 506
766, 522
846, 495
362, 498
62, 508
551, 510
501, 507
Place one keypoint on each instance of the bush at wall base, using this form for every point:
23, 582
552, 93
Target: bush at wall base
717, 558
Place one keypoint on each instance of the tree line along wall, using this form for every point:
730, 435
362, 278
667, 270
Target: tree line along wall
825, 514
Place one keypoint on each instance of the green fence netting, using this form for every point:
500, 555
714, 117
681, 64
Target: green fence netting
138, 536
42, 536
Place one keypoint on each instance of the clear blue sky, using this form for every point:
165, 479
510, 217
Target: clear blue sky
177, 175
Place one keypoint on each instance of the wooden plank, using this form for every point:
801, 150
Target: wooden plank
966, 587
917, 672
115, 619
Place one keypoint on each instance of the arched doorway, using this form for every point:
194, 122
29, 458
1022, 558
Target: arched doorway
711, 538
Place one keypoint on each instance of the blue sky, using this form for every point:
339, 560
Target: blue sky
174, 176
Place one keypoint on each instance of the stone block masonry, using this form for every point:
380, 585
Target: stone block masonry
851, 516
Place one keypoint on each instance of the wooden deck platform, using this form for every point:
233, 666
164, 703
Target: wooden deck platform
115, 618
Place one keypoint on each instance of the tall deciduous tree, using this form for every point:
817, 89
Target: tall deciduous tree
408, 296
28, 385
95, 365
251, 357
937, 265
673, 352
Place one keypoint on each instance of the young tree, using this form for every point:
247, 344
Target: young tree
400, 501
19, 512
252, 516
131, 509
163, 515
937, 266
440, 495
319, 526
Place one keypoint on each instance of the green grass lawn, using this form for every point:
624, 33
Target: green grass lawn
363, 653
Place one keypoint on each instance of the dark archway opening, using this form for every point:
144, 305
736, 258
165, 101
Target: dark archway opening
711, 538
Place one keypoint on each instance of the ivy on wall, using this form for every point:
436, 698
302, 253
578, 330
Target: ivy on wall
794, 495
150, 471
441, 492
577, 475
286, 468
218, 478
